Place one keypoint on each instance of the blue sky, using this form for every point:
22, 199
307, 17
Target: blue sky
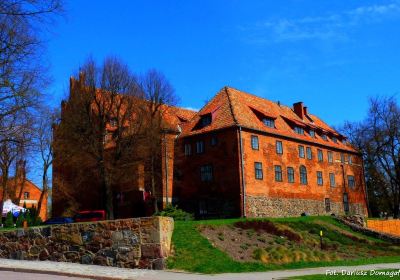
332, 55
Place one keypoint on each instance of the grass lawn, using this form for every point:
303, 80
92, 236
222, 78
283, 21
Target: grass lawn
194, 253
369, 275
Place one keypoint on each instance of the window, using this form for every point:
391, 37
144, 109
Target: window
303, 175
330, 157
188, 149
350, 159
26, 195
320, 156
327, 205
301, 151
258, 170
200, 147
206, 173
334, 139
254, 142
278, 173
290, 174
205, 120
113, 122
351, 181
299, 130
332, 179
279, 147
346, 202
107, 137
323, 136
309, 153
312, 133
269, 122
342, 158
214, 140
320, 180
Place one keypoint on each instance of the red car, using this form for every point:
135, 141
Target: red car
90, 216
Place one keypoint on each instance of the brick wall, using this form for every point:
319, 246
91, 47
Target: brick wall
130, 243
267, 197
219, 197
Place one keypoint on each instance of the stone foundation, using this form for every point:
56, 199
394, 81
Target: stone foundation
261, 206
130, 243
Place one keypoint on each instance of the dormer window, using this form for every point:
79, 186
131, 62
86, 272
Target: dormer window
312, 133
323, 136
334, 139
269, 122
299, 130
205, 120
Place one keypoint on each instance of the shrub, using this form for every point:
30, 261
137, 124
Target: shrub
20, 220
176, 213
9, 223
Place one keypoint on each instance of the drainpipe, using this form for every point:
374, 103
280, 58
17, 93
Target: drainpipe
242, 171
166, 170
365, 187
344, 189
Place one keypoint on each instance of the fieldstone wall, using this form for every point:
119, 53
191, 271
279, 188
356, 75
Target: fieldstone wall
129, 243
261, 206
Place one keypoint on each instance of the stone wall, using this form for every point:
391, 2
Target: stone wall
129, 243
261, 206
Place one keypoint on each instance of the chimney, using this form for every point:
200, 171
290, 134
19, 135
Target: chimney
21, 169
299, 109
305, 111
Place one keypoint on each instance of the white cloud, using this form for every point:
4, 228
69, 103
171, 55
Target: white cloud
191, 108
331, 26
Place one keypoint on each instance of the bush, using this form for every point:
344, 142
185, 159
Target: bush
174, 212
20, 220
9, 223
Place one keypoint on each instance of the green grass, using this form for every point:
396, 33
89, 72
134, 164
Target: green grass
368, 276
194, 253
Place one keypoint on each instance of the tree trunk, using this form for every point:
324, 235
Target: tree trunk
44, 190
107, 191
153, 184
5, 191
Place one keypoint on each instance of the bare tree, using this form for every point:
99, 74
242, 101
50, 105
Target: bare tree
159, 94
102, 123
9, 152
22, 74
45, 121
378, 137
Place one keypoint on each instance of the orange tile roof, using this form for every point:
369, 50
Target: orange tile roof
232, 107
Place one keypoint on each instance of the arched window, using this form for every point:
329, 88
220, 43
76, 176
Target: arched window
303, 175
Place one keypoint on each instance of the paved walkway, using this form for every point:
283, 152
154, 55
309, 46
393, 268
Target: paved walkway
108, 273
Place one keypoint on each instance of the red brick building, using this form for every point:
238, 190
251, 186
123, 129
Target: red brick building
245, 155
241, 155
76, 189
30, 193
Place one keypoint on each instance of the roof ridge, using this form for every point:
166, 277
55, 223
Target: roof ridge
257, 96
231, 106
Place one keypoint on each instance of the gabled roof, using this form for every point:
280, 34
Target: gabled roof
231, 107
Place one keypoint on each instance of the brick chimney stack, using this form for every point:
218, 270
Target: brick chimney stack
21, 169
299, 109
305, 111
